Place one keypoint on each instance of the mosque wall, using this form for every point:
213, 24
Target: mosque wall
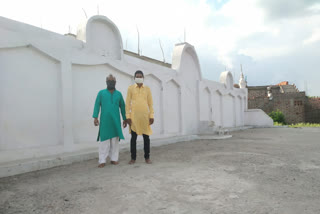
49, 82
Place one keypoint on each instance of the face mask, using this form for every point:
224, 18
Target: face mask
111, 84
138, 80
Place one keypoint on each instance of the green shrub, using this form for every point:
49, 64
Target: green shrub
277, 116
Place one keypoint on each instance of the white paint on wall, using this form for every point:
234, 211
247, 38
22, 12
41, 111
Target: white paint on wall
257, 118
217, 108
189, 74
206, 105
30, 105
172, 108
228, 111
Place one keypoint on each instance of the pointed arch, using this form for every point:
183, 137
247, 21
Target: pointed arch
227, 79
154, 77
102, 36
179, 54
175, 82
36, 49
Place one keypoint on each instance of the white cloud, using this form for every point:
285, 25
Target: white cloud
313, 38
265, 52
245, 19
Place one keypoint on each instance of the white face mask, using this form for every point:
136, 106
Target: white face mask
138, 80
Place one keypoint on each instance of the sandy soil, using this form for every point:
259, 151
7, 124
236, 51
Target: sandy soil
275, 170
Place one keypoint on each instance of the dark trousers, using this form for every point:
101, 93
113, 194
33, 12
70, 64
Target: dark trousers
133, 145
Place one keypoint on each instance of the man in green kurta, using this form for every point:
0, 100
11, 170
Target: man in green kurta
110, 132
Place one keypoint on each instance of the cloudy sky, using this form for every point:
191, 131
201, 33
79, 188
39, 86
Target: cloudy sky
274, 40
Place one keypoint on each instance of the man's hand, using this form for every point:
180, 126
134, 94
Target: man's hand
151, 120
124, 124
129, 121
96, 122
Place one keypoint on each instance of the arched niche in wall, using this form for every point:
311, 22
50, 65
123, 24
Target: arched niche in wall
217, 108
30, 94
172, 110
229, 119
185, 61
206, 105
155, 85
239, 111
227, 79
102, 36
245, 103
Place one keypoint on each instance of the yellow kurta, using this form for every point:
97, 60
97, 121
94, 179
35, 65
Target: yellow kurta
139, 108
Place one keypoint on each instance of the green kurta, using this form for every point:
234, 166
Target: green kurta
110, 123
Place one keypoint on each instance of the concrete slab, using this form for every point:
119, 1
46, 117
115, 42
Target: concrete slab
22, 161
273, 170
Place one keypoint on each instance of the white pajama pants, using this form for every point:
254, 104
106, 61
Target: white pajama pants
109, 148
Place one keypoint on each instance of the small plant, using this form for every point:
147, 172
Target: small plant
278, 124
277, 116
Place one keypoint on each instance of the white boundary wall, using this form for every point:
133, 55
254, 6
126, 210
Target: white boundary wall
49, 82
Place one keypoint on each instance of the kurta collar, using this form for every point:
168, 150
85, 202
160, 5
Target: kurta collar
138, 86
110, 92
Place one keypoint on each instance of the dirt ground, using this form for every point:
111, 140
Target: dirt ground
272, 170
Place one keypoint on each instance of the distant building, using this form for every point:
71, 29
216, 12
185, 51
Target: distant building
312, 110
295, 105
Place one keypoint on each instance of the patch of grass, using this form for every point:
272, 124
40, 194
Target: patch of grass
304, 125
278, 124
297, 125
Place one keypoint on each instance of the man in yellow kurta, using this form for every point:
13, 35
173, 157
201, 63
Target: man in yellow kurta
140, 115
